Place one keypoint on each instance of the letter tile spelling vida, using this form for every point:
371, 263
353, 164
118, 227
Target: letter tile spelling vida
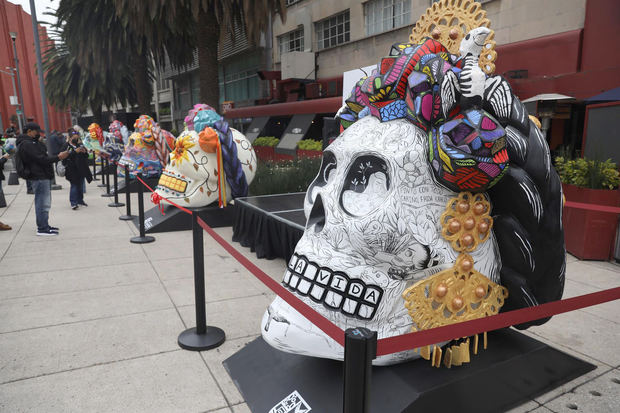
334, 289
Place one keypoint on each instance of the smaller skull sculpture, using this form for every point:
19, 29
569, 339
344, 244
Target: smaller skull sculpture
140, 156
114, 140
209, 163
90, 139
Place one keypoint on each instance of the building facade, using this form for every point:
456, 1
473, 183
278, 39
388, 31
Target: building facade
13, 19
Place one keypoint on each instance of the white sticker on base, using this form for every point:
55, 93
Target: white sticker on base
293, 403
148, 223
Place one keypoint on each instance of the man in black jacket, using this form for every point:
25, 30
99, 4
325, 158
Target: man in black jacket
38, 163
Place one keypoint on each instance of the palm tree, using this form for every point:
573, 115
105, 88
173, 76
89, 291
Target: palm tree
70, 85
211, 20
101, 39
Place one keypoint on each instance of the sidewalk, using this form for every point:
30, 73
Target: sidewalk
89, 322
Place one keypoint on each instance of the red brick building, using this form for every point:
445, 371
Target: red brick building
14, 19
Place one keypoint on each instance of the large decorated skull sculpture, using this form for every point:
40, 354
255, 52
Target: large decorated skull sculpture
437, 204
140, 156
210, 162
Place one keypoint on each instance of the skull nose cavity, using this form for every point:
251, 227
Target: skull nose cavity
317, 215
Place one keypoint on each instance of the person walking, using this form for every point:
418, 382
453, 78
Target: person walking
3, 159
76, 169
38, 169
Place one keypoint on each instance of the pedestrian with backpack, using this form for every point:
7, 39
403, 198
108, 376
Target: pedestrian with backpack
33, 163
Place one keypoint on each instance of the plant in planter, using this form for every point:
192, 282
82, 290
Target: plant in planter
309, 148
264, 146
284, 176
589, 234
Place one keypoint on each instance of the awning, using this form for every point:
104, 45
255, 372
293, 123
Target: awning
256, 127
547, 96
310, 106
610, 95
295, 131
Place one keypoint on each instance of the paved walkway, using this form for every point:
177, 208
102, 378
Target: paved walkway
89, 322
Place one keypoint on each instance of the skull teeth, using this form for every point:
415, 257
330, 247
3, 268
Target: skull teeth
334, 289
172, 183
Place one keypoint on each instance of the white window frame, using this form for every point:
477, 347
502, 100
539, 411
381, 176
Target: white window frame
384, 15
339, 27
294, 38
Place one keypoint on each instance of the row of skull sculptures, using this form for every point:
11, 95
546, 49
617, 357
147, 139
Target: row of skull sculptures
206, 161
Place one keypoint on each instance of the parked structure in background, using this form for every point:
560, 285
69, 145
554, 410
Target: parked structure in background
13, 19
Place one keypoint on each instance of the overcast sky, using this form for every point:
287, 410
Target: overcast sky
41, 6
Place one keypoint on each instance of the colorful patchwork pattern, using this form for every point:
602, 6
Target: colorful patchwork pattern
467, 145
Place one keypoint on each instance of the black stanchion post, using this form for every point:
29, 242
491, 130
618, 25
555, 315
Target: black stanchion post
102, 184
106, 174
127, 216
201, 337
360, 348
143, 238
95, 168
115, 203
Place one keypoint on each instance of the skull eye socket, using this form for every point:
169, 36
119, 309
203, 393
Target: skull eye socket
327, 172
366, 185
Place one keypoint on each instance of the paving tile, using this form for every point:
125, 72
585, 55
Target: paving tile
601, 275
52, 282
48, 350
541, 409
238, 317
176, 381
609, 310
601, 395
524, 408
31, 312
218, 287
214, 359
175, 268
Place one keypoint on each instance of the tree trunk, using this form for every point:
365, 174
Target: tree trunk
97, 109
208, 37
144, 89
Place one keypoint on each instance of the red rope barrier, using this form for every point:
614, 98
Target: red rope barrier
468, 328
423, 338
317, 319
592, 207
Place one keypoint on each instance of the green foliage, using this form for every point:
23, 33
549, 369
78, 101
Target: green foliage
284, 177
588, 173
310, 145
174, 132
266, 141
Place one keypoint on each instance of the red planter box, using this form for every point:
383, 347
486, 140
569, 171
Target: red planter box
590, 235
265, 153
304, 153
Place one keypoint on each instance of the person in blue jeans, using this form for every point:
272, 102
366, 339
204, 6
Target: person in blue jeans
38, 169
76, 169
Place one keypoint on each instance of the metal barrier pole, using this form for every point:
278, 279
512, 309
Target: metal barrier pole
127, 216
201, 337
116, 203
360, 348
102, 184
143, 238
95, 167
106, 174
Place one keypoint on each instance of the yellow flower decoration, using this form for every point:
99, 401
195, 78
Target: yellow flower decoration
182, 144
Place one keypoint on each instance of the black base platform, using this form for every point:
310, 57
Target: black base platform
133, 184
174, 219
514, 369
271, 225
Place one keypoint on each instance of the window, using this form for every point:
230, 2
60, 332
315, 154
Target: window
384, 15
292, 41
333, 31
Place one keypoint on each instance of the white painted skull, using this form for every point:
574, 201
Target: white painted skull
372, 231
191, 175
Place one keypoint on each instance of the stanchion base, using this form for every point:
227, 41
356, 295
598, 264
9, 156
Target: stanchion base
142, 240
512, 371
191, 340
56, 187
13, 179
107, 195
116, 204
126, 217
101, 186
